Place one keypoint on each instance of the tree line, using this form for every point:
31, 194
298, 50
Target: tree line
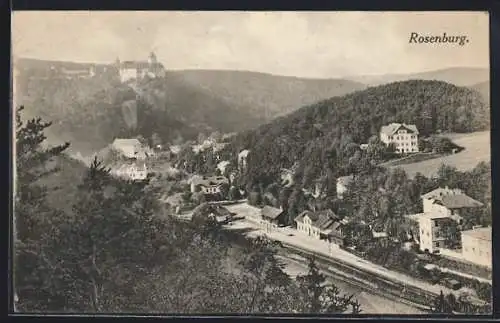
115, 250
328, 134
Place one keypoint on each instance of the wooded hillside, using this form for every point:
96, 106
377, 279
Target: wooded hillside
90, 112
327, 134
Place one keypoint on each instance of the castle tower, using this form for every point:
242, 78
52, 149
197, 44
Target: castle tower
152, 59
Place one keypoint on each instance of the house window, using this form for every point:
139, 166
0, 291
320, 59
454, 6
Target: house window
436, 244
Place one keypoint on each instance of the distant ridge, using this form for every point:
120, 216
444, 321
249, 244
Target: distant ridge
332, 127
460, 76
88, 111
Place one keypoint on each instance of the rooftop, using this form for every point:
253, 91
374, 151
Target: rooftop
479, 233
391, 129
426, 216
345, 180
323, 219
139, 65
270, 212
208, 181
439, 192
452, 198
243, 153
460, 201
126, 142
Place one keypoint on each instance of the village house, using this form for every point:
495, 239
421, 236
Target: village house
136, 70
175, 149
131, 148
316, 191
287, 177
316, 224
449, 202
220, 214
194, 181
431, 231
336, 234
272, 217
207, 211
221, 166
242, 159
403, 136
343, 185
78, 73
131, 172
363, 146
442, 208
210, 186
476, 246
377, 233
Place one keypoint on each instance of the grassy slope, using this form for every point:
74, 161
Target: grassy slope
477, 149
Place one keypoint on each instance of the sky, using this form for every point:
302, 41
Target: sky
302, 44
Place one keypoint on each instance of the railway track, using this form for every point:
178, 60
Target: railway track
359, 278
367, 281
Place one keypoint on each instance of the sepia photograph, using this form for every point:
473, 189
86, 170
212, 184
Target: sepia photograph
251, 163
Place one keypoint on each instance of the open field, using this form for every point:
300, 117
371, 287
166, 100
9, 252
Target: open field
477, 149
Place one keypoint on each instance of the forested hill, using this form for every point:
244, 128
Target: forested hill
461, 76
91, 111
484, 89
331, 127
262, 94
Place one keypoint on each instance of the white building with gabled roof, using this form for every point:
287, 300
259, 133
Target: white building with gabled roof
131, 172
243, 159
131, 148
442, 208
403, 136
477, 247
449, 202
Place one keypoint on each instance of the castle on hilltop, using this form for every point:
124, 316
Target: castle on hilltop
136, 70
